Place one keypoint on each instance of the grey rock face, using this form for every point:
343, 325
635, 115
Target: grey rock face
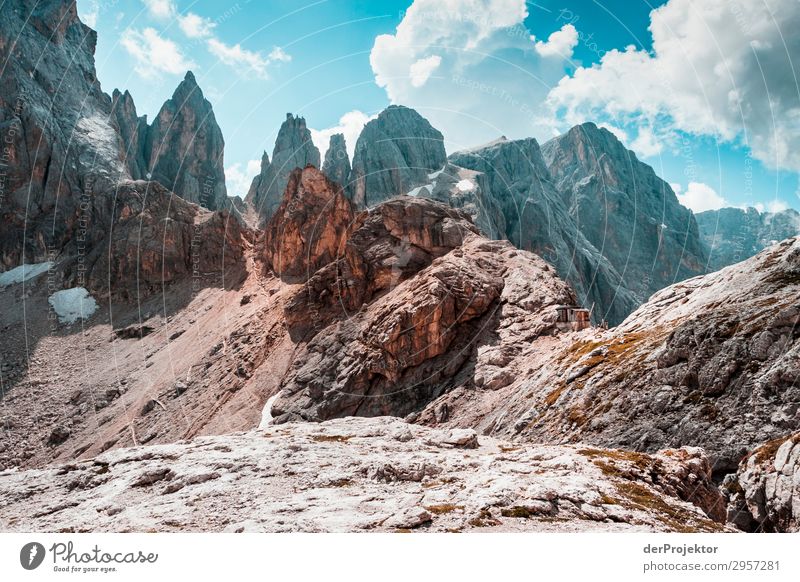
293, 149
517, 181
713, 361
185, 147
627, 212
394, 154
54, 123
337, 163
764, 495
132, 131
731, 235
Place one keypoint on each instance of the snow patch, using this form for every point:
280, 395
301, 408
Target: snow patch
72, 304
266, 413
465, 185
418, 189
436, 174
23, 273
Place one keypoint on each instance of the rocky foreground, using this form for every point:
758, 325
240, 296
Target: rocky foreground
358, 474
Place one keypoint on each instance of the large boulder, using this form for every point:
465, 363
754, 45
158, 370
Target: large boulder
765, 493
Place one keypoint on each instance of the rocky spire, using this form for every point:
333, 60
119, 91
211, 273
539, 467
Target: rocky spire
132, 131
337, 162
393, 155
293, 149
184, 147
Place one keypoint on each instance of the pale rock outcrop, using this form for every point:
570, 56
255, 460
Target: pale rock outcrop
360, 474
713, 361
765, 493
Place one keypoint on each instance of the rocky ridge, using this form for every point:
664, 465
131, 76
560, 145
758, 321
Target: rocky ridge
731, 235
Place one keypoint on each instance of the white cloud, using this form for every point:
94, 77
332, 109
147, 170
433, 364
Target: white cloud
238, 179
559, 44
617, 131
90, 13
489, 78
278, 54
719, 68
646, 144
350, 124
195, 26
236, 56
154, 54
699, 197
161, 9
422, 70
777, 206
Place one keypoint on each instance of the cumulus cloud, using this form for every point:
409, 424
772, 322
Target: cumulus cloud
161, 9
422, 70
646, 144
720, 68
251, 61
350, 125
777, 206
279, 55
559, 44
153, 54
195, 26
699, 197
89, 12
470, 67
238, 177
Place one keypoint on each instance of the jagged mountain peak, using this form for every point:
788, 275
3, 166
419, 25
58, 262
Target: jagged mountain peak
394, 154
293, 148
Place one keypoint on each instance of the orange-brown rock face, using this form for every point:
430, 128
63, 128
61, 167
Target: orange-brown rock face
143, 237
384, 247
402, 311
308, 228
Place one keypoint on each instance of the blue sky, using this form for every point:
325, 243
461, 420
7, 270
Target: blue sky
704, 92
